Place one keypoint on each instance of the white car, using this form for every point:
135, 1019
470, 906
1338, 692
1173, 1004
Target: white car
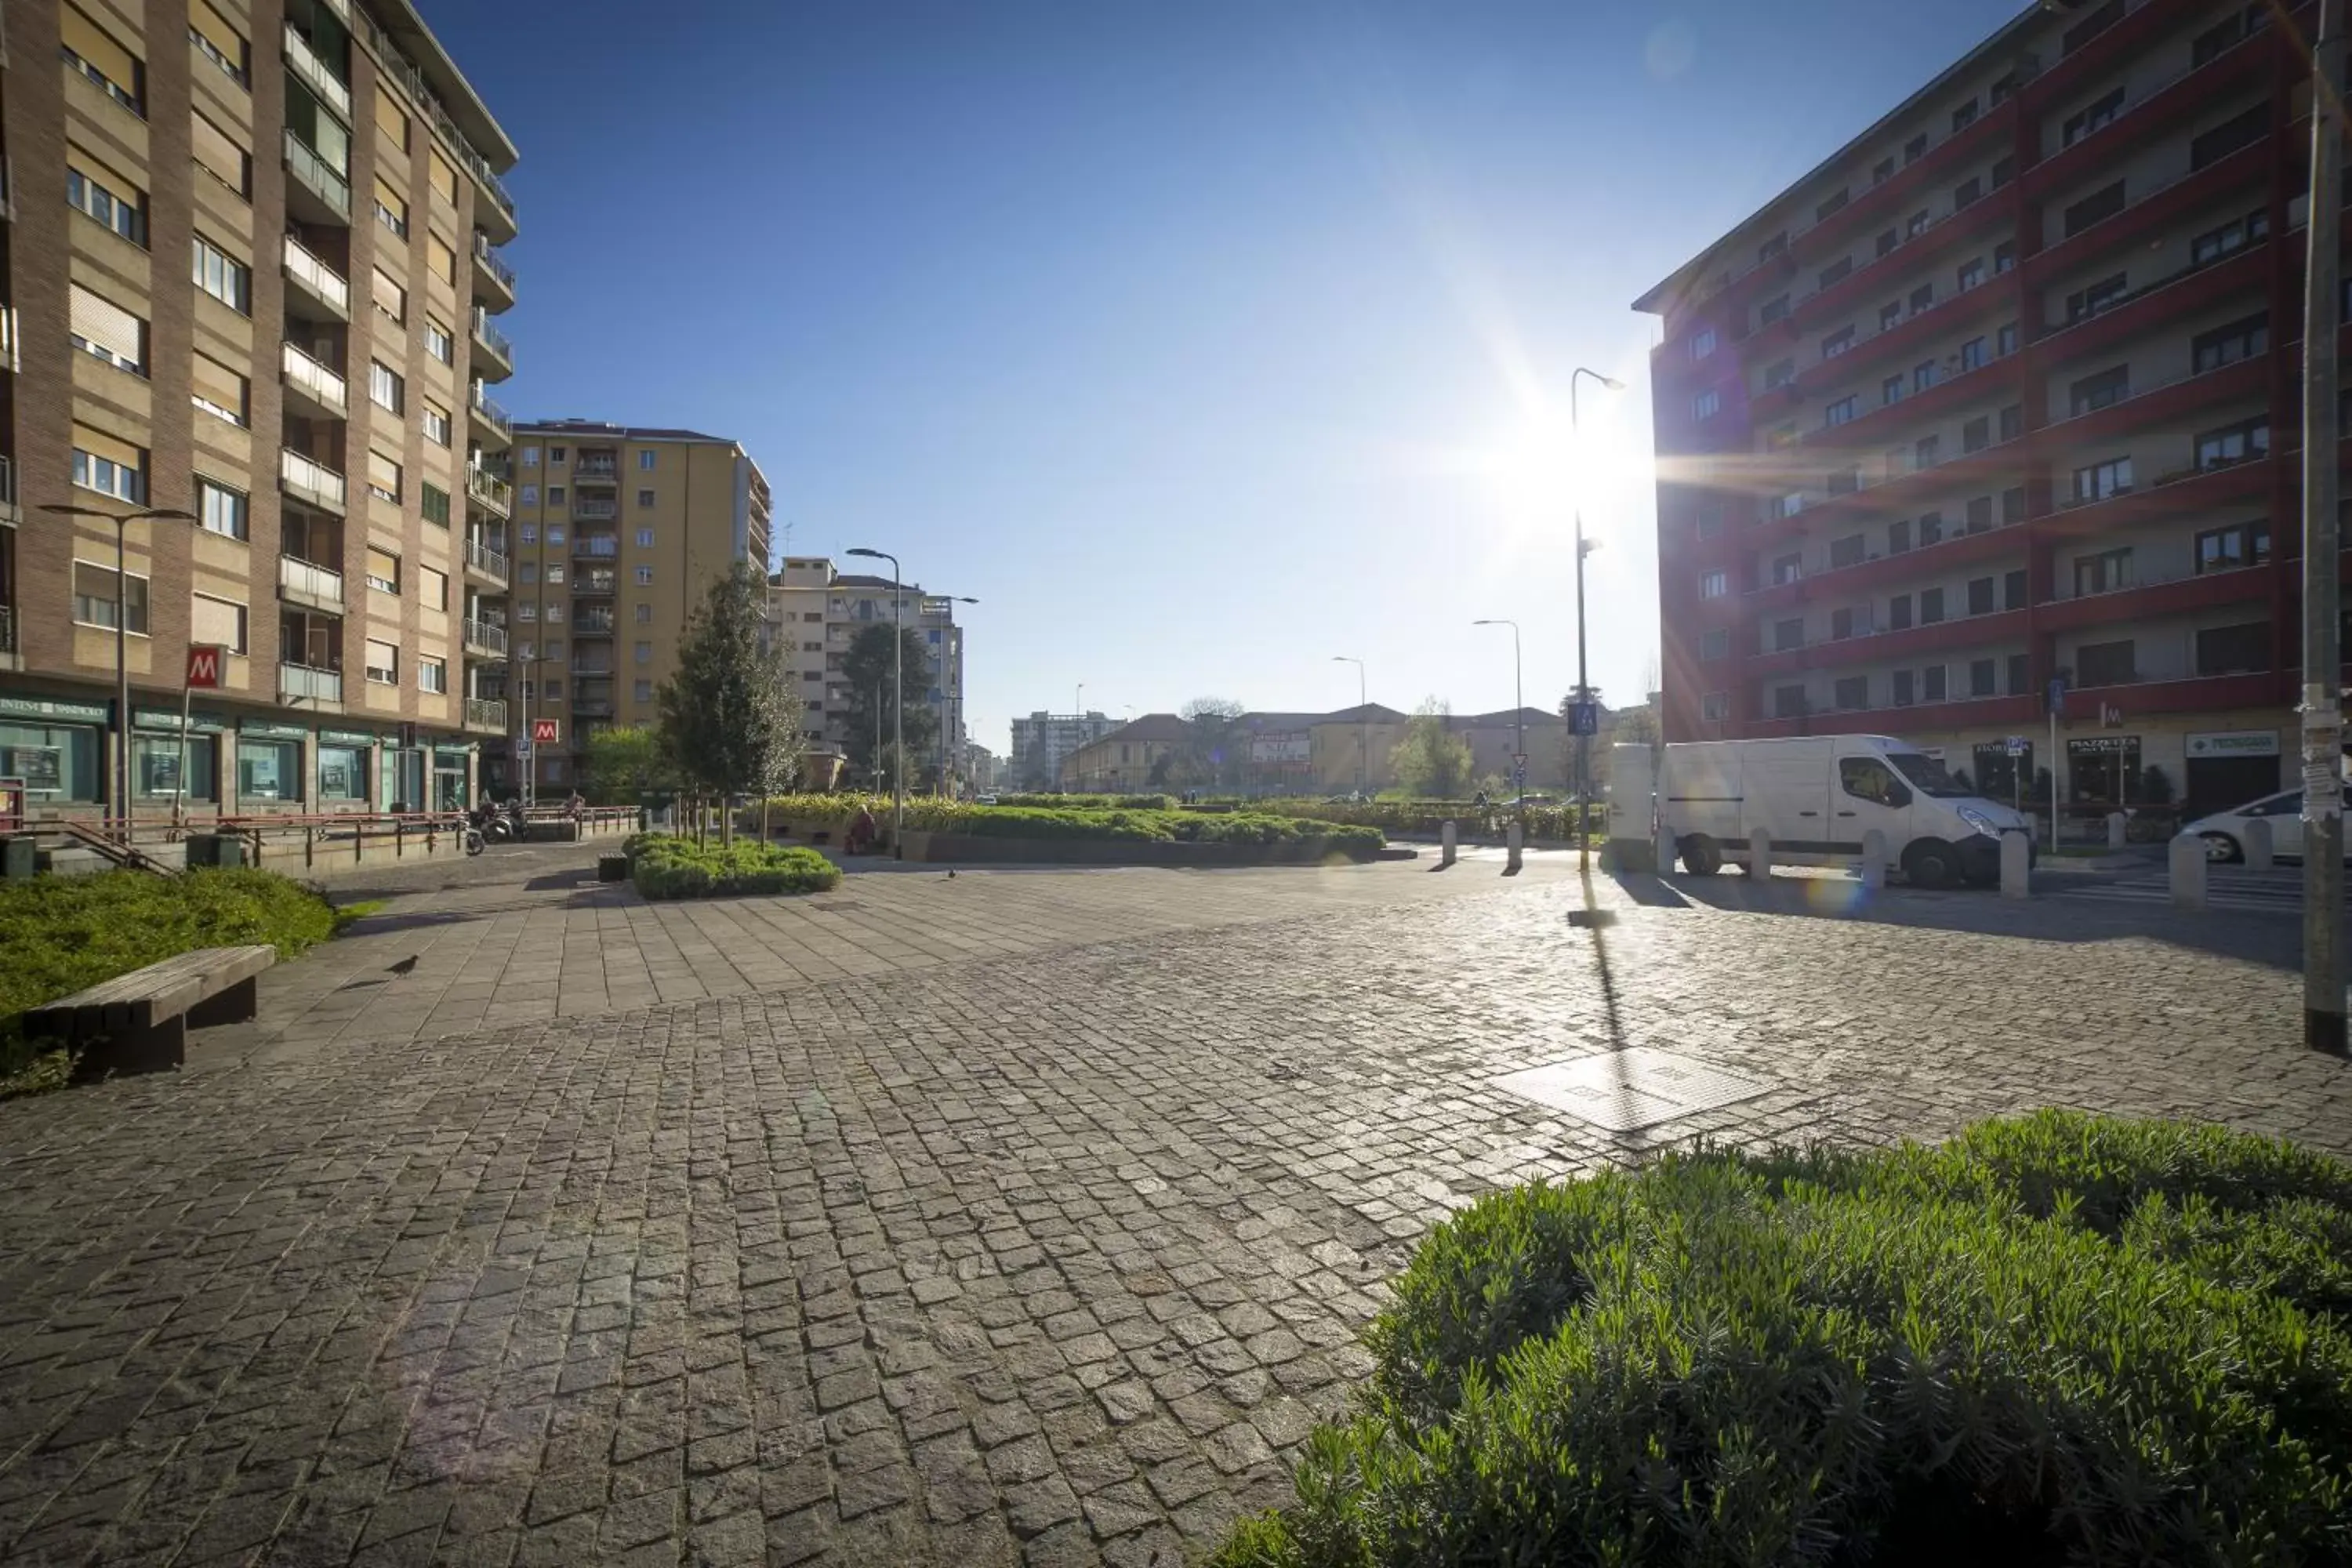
2224, 832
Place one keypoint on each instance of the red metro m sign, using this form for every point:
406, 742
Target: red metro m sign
204, 663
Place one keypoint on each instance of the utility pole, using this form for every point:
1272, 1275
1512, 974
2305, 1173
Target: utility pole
2323, 711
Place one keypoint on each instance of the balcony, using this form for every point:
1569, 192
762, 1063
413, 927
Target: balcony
1905, 642
1877, 567
307, 683
2188, 490
9, 516
483, 638
2170, 593
313, 390
1901, 341
495, 361
595, 547
8, 337
314, 290
307, 582
488, 714
492, 276
314, 74
591, 622
601, 582
1867, 431
484, 562
1949, 713
2149, 406
602, 510
595, 468
2180, 97
490, 419
491, 492
11, 657
2190, 694
310, 482
315, 193
591, 708
2153, 210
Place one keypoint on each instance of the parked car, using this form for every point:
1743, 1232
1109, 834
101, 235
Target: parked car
2224, 832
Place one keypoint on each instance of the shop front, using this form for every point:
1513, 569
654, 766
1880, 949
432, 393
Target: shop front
57, 747
450, 764
2103, 770
269, 765
169, 769
1999, 776
2229, 768
346, 763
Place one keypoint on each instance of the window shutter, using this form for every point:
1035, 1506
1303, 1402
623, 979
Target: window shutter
390, 296
108, 325
432, 588
388, 195
98, 443
216, 28
382, 563
223, 155
390, 119
382, 470
216, 382
218, 621
442, 259
94, 44
382, 654
444, 179
120, 186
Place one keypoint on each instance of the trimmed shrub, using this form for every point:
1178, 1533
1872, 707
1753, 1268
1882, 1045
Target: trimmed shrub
2055, 1340
667, 867
1091, 802
59, 934
1064, 821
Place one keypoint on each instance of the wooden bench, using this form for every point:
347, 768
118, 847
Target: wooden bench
139, 1022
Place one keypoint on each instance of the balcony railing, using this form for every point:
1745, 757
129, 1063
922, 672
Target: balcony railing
326, 388
601, 471
595, 623
310, 170
485, 560
492, 263
490, 639
490, 338
594, 670
398, 66
600, 582
490, 490
304, 62
7, 337
7, 628
487, 409
315, 275
594, 546
7, 489
308, 682
309, 480
485, 713
321, 585
599, 510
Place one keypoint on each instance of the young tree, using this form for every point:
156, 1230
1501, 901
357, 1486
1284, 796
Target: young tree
868, 670
624, 761
726, 720
1432, 761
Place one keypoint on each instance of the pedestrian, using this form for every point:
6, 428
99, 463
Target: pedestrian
861, 831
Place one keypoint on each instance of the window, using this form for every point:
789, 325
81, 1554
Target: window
221, 509
644, 497
1979, 514
1931, 606
1706, 404
1780, 439
2106, 664
2239, 544
642, 653
1924, 375
1837, 342
218, 41
1905, 685
644, 538
107, 331
220, 391
390, 120
1780, 374
106, 196
2105, 390
1715, 707
391, 298
2099, 206
1787, 702
383, 571
1772, 310
1898, 613
435, 503
1702, 344
554, 456
384, 476
1964, 115
93, 52
2089, 27
1983, 678
1898, 537
219, 622
391, 207
2099, 113
644, 576
641, 691
1846, 480
444, 177
2245, 442
2219, 38
526, 610
2013, 422
2021, 674
436, 423
1891, 390
1850, 691
1713, 643
555, 534
438, 343
383, 663
1915, 148
2012, 590
529, 496
1840, 411
433, 587
1887, 241
110, 467
439, 258
2216, 243
385, 388
1931, 683
94, 601
220, 154
531, 533
2226, 138
645, 614
1980, 596
1882, 171
224, 278
1972, 355
1976, 435
1931, 528
645, 461
2102, 573
1842, 624
1714, 584
530, 457
1788, 568
1971, 274
1926, 452
1967, 192
2005, 339
2004, 256
1917, 225
431, 674
2239, 340
1787, 634
2102, 295
555, 495
2012, 504
1835, 272
2100, 481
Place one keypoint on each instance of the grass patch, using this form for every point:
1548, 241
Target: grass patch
666, 868
59, 934
2055, 1340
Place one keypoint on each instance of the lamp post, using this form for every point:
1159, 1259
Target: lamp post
898, 705
1363, 718
1584, 684
1519, 716
121, 519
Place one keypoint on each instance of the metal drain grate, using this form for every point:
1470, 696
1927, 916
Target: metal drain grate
1637, 1086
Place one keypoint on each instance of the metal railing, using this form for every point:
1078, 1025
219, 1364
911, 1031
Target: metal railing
311, 479
598, 625
481, 402
490, 338
482, 635
598, 511
2136, 580
7, 628
297, 575
482, 558
491, 262
602, 469
596, 546
595, 582
324, 385
303, 680
7, 337
305, 63
317, 276
322, 182
7, 483
490, 489
397, 65
485, 713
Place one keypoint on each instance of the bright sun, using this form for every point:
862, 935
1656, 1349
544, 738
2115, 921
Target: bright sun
1549, 468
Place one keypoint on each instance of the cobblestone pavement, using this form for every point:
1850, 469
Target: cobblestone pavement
1049, 1257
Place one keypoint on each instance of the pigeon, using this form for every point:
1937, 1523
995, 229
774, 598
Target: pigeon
952, 875
405, 964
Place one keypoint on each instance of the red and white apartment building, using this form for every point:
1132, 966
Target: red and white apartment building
2006, 393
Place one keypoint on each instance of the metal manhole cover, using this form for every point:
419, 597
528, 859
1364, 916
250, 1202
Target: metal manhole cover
1637, 1086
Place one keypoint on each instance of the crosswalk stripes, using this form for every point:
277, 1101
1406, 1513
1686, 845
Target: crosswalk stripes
2278, 891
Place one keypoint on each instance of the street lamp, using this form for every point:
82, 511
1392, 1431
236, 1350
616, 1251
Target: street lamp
1583, 685
1363, 718
1519, 716
898, 707
122, 638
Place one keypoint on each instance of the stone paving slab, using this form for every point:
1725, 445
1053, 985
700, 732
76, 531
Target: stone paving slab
1046, 1258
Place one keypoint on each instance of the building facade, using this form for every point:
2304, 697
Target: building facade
2000, 403
618, 534
819, 610
247, 272
1043, 741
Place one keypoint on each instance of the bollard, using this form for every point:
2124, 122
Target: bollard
1873, 859
1759, 856
1448, 840
1518, 833
2016, 866
2188, 857
2259, 851
2115, 830
1666, 850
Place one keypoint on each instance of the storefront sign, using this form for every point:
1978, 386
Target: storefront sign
452, 758
2234, 743
1281, 746
52, 708
165, 719
2102, 745
266, 730
346, 738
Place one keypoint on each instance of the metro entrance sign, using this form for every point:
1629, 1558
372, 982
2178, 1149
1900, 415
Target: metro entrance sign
545, 731
205, 665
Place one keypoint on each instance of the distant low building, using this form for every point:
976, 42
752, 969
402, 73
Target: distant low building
1043, 742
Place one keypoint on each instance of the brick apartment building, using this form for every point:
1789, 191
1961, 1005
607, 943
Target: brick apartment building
2005, 393
247, 272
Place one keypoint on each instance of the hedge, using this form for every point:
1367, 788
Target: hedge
1091, 802
664, 867
934, 815
2061, 1338
59, 934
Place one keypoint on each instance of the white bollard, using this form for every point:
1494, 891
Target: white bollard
2259, 850
2116, 829
1449, 840
1873, 859
2016, 866
1666, 850
1518, 834
2188, 857
1759, 856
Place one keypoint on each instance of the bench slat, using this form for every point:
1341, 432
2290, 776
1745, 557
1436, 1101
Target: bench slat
165, 989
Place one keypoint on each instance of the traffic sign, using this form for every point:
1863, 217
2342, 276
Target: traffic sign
521, 747
545, 730
204, 663
2058, 695
1584, 719
2015, 745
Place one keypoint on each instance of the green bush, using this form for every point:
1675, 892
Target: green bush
1091, 802
669, 868
59, 934
1065, 822
2055, 1340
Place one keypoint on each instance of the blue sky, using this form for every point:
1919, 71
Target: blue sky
1200, 342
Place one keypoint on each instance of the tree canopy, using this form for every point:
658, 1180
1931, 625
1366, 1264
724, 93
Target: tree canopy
868, 670
727, 722
1432, 761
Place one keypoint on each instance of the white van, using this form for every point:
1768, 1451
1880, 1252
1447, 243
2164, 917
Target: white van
1816, 796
